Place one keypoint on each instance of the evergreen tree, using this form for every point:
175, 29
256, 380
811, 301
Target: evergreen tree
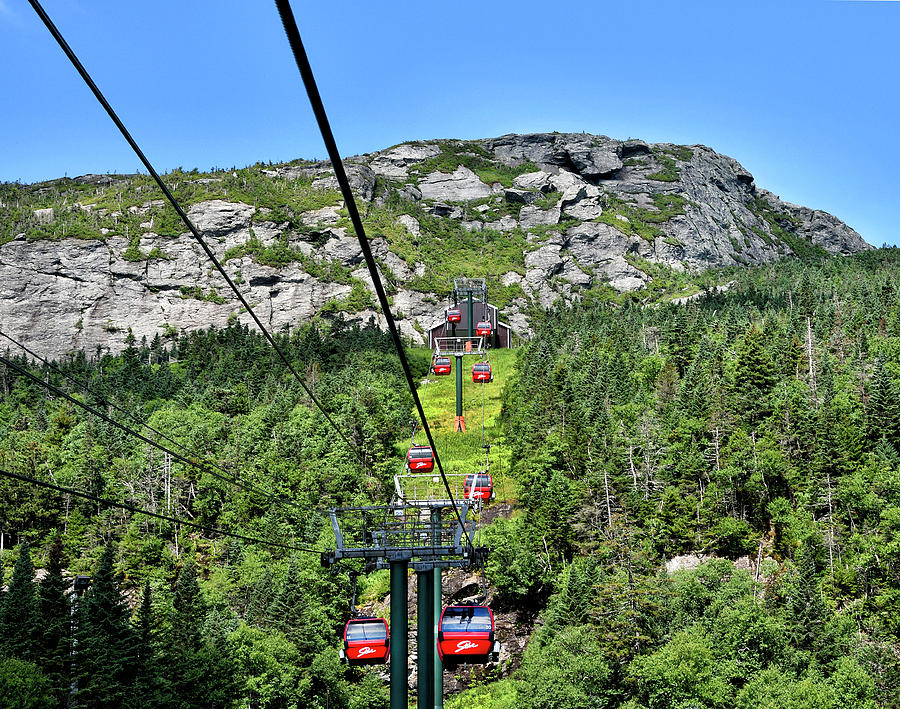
298, 613
573, 603
754, 374
682, 339
885, 450
190, 611
695, 392
55, 637
884, 405
806, 607
149, 685
199, 672
261, 594
18, 615
792, 357
105, 645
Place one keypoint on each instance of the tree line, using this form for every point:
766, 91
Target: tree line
753, 429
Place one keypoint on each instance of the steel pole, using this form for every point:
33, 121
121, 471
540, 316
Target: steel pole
425, 639
436, 618
471, 324
399, 636
460, 422
459, 363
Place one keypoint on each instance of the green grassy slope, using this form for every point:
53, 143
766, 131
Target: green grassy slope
461, 452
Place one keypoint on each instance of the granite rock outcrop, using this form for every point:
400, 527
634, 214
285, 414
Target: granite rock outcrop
545, 216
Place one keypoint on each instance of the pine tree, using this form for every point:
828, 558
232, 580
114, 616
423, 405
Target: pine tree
884, 450
18, 615
754, 367
261, 594
55, 638
754, 375
884, 407
105, 646
805, 603
572, 605
696, 387
199, 672
681, 340
150, 687
792, 357
190, 610
296, 612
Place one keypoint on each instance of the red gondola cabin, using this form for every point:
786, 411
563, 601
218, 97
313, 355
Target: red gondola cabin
479, 487
466, 635
481, 372
441, 365
366, 641
483, 328
420, 459
454, 315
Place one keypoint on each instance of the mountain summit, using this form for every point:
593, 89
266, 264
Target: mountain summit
542, 216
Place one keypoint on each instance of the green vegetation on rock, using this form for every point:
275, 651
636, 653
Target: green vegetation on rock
783, 227
639, 220
473, 156
446, 248
102, 206
669, 171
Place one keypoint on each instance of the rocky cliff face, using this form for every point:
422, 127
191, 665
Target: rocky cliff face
541, 216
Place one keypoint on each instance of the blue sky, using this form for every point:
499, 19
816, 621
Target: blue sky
805, 94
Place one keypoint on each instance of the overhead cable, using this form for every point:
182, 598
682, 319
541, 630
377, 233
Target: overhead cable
312, 91
197, 462
184, 217
157, 515
131, 432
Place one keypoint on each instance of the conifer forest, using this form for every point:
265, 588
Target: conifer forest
701, 506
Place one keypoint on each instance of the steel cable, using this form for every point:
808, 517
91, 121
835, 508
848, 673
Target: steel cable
184, 217
131, 432
312, 91
157, 515
200, 464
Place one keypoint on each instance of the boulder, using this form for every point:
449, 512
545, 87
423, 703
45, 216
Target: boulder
218, 217
393, 163
439, 209
543, 262
584, 210
594, 161
531, 216
630, 148
361, 177
460, 185
520, 196
565, 180
506, 223
410, 192
410, 223
326, 216
510, 277
539, 180
346, 250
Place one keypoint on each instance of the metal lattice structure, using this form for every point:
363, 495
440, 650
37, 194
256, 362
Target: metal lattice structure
464, 287
459, 346
429, 534
426, 490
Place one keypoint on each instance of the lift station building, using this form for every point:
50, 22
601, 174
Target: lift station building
465, 289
